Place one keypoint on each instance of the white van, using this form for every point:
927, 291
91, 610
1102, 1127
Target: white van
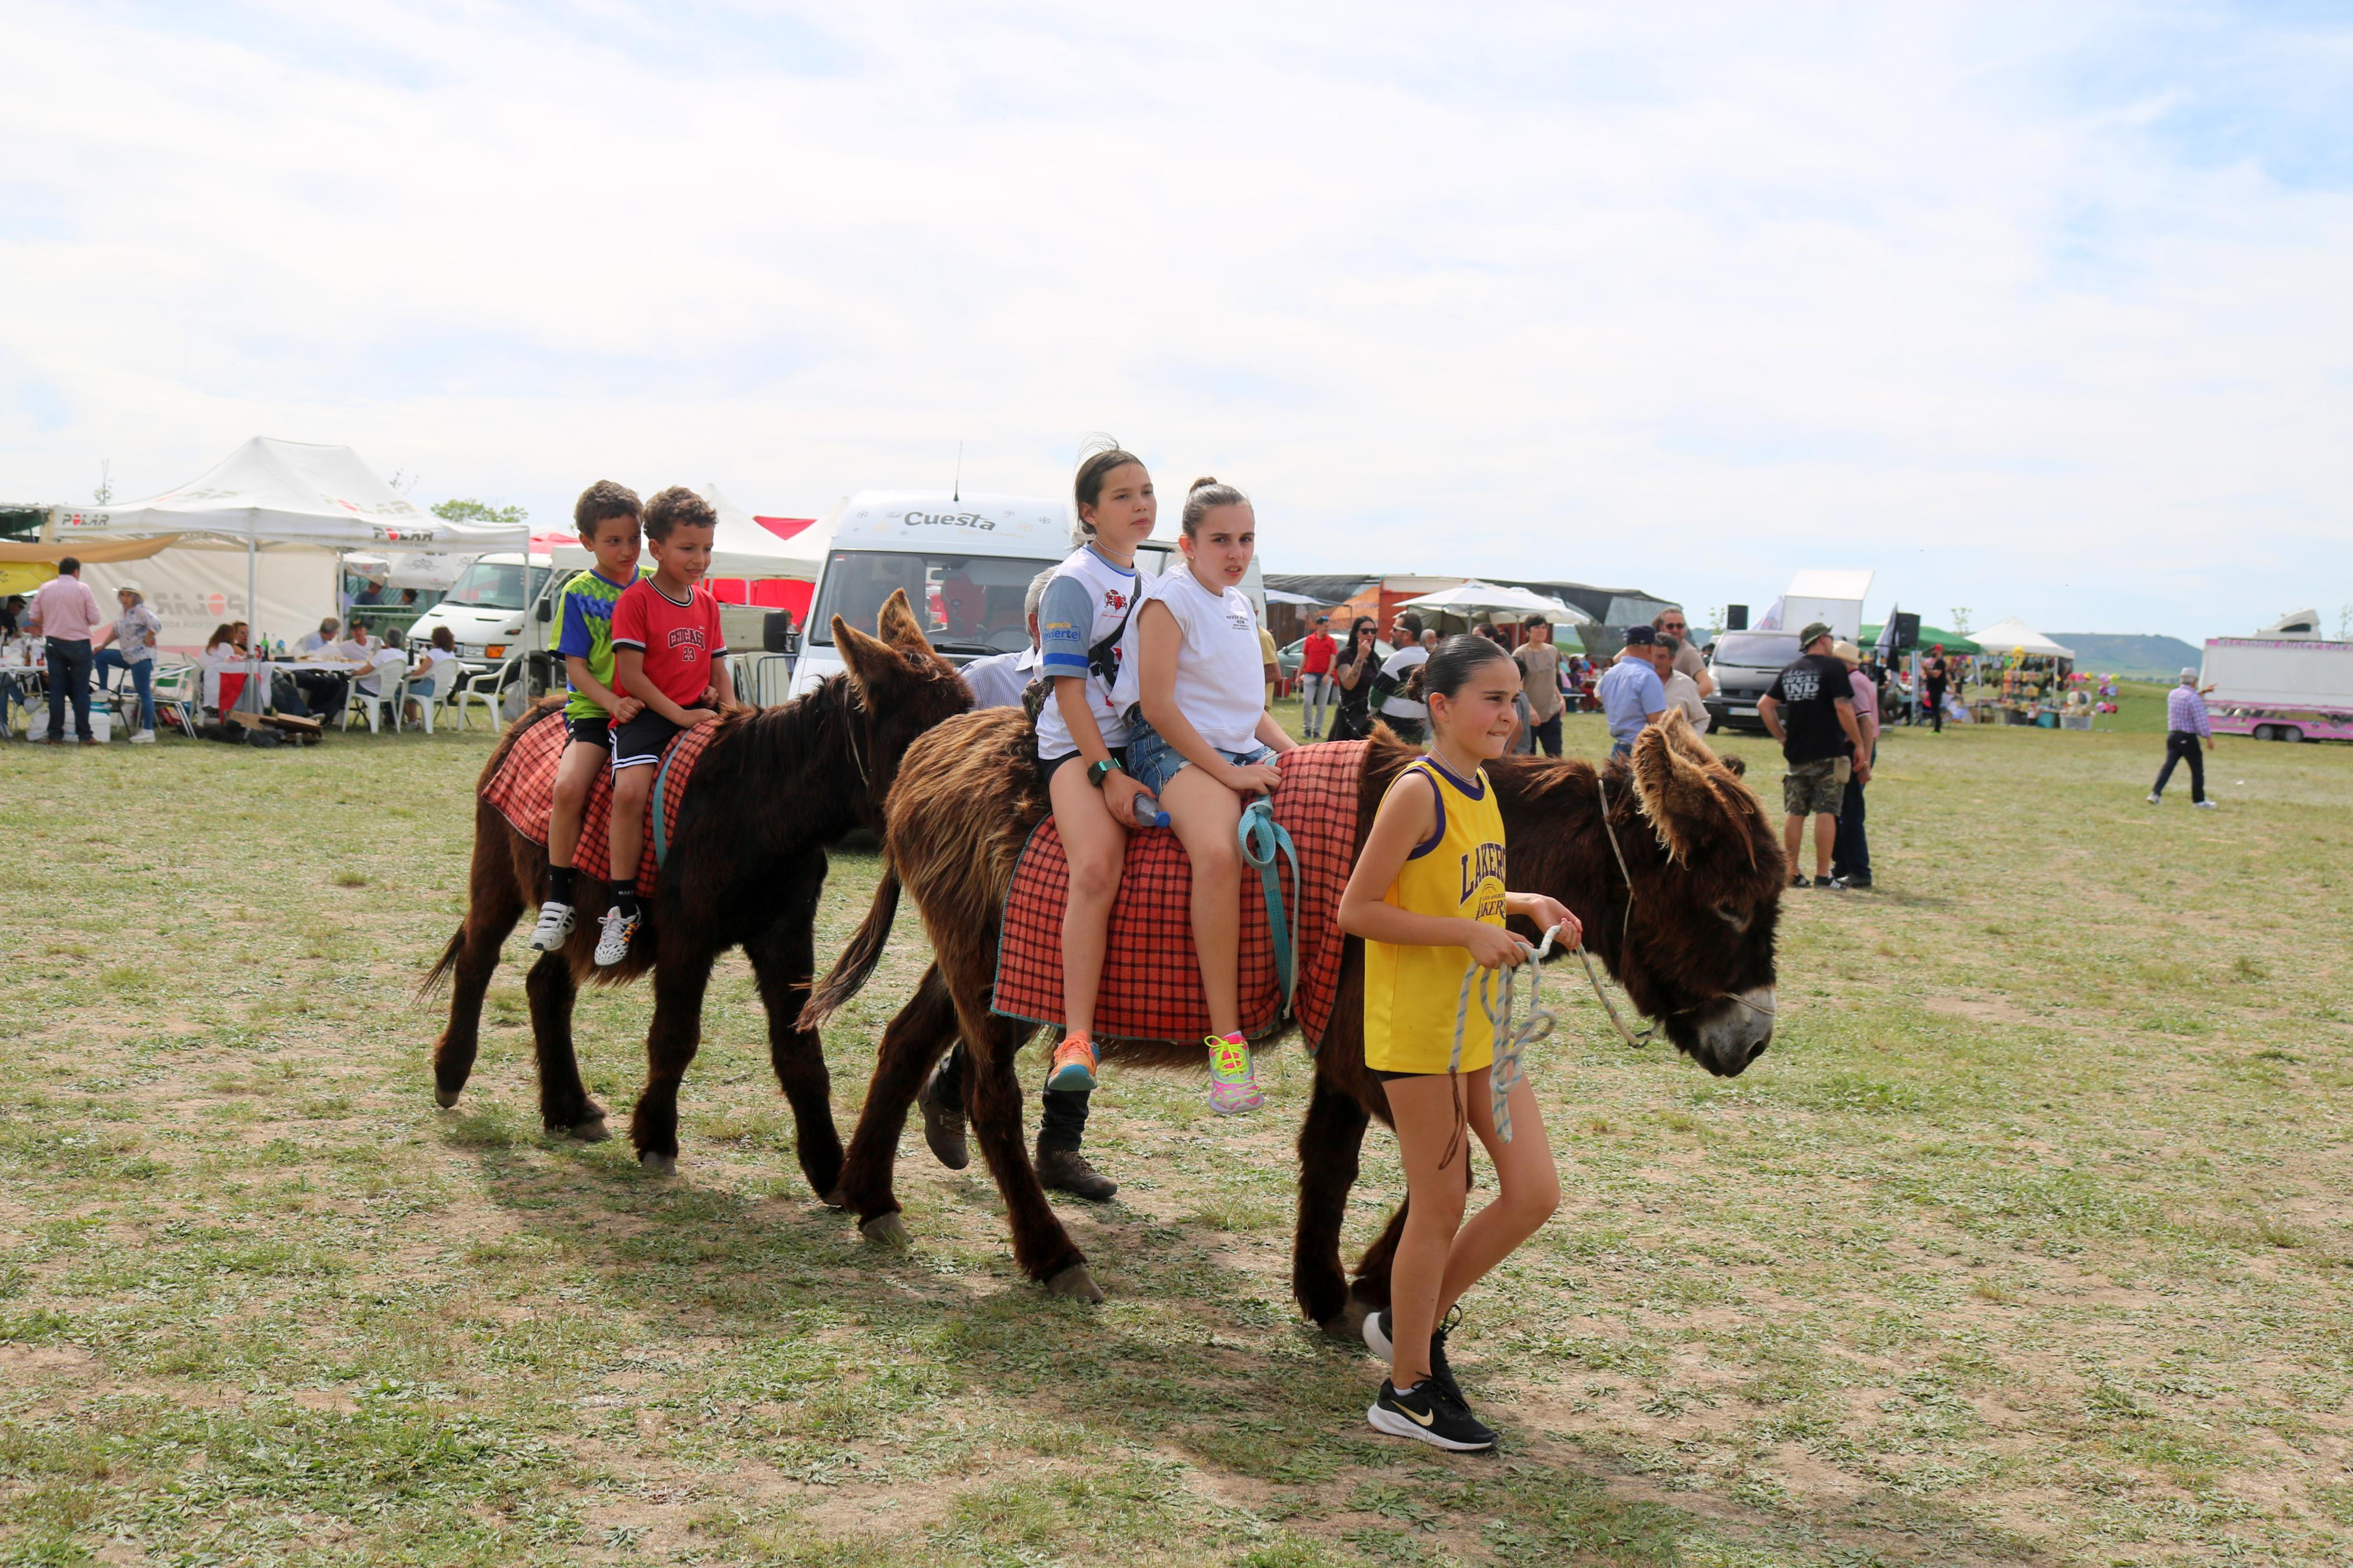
488, 609
965, 563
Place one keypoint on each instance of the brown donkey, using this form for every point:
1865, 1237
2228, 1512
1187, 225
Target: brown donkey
1668, 861
774, 787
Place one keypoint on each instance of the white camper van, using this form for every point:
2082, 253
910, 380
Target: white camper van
487, 609
965, 562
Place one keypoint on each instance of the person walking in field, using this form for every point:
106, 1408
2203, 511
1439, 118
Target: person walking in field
2186, 727
1316, 655
1429, 899
1935, 674
1540, 664
1810, 711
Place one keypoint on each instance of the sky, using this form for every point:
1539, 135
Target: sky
2034, 310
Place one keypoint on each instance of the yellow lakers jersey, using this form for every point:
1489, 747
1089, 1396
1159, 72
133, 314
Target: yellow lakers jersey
1410, 992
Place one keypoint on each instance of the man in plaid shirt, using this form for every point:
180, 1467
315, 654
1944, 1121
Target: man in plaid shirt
2185, 729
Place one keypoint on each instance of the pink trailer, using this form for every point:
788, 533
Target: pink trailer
2279, 689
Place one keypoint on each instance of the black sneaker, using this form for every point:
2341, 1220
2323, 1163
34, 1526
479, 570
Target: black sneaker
1377, 1339
1836, 884
1797, 879
1427, 1414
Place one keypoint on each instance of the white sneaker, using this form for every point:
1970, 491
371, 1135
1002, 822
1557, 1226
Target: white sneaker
613, 944
556, 923
2157, 800
143, 738
2204, 804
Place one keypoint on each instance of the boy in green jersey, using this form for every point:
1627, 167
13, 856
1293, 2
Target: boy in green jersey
608, 518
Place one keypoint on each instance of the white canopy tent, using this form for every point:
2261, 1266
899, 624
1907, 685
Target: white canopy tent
273, 495
2014, 635
1500, 604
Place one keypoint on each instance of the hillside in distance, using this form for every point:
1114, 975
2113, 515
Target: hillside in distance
2146, 654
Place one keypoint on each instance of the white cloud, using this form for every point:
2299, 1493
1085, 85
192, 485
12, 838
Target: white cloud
2040, 316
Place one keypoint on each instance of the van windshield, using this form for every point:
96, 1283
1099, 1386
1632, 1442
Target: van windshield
967, 604
496, 586
1756, 650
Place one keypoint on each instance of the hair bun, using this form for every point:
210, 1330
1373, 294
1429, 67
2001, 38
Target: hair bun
1203, 482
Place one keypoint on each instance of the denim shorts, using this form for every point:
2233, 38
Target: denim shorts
1152, 762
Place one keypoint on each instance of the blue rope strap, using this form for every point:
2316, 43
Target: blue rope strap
1262, 839
661, 818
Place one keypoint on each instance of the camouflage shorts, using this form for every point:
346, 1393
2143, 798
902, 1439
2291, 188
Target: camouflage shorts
1812, 789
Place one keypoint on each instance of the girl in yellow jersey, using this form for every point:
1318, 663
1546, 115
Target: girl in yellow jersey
1428, 898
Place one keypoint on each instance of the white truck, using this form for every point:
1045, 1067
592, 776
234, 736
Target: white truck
965, 562
2279, 689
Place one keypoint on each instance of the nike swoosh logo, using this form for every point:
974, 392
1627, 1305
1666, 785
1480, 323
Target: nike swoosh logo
1418, 1420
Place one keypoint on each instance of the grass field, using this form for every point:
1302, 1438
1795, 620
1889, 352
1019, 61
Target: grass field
2028, 1241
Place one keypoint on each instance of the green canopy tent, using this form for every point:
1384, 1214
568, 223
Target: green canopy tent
1955, 643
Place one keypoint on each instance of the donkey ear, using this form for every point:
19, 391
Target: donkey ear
868, 659
1676, 791
898, 624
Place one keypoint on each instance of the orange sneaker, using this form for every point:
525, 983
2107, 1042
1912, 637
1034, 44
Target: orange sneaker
1074, 1064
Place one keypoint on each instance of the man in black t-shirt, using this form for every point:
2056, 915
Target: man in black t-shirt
1810, 711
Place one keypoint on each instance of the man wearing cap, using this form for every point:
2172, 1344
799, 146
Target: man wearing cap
1822, 742
68, 615
134, 636
1630, 693
1316, 692
1851, 856
2185, 728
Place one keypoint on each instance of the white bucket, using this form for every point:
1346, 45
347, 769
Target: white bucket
101, 722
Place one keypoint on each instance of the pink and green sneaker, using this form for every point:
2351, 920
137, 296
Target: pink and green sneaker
1232, 1090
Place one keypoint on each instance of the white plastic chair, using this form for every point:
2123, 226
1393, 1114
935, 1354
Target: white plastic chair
476, 685
385, 698
431, 690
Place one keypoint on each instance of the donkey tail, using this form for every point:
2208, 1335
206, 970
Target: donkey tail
440, 970
851, 970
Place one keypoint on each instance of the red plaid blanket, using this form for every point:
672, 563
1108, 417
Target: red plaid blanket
524, 788
1151, 986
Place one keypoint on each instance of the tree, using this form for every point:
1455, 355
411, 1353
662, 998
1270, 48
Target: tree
466, 510
105, 491
1960, 615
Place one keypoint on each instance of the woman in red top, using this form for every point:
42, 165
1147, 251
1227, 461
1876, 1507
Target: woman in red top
1316, 674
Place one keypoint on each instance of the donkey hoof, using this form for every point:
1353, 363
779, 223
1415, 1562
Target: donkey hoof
1075, 1281
833, 1198
658, 1163
1348, 1323
446, 1098
593, 1130
886, 1228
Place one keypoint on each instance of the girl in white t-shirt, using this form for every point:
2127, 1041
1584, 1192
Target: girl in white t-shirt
1083, 634
1205, 744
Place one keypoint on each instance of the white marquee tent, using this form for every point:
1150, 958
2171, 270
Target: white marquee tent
296, 504
2015, 636
1502, 604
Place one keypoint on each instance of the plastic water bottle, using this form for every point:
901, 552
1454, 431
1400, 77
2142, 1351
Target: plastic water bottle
1147, 812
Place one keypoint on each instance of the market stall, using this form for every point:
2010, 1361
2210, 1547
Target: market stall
2029, 678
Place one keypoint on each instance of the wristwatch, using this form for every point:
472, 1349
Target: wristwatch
1098, 772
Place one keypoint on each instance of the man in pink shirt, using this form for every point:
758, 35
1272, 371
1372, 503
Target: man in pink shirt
66, 612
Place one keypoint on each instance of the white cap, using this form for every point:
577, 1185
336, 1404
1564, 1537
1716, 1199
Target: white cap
2189, 675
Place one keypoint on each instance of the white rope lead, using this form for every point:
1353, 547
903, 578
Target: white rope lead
1511, 1038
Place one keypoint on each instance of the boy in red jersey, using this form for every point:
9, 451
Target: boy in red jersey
666, 654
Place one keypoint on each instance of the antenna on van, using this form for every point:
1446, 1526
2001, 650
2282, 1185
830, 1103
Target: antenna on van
957, 494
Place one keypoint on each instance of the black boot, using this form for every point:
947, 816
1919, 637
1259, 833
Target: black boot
1067, 1171
941, 1100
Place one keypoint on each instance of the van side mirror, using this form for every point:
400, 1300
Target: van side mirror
546, 609
776, 633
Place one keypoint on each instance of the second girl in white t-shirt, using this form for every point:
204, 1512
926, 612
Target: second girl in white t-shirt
1205, 744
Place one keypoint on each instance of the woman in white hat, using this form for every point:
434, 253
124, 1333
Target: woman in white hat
134, 636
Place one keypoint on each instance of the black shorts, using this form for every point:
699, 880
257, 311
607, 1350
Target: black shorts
638, 742
596, 732
1385, 1077
1046, 768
